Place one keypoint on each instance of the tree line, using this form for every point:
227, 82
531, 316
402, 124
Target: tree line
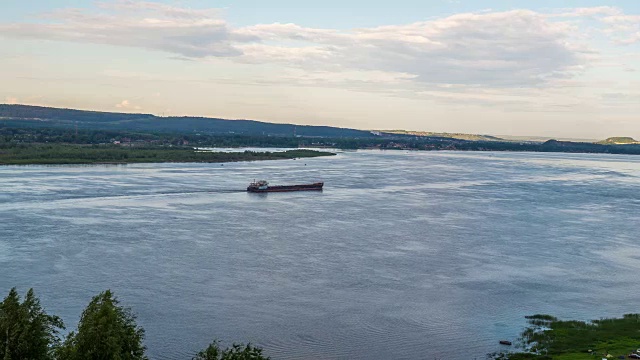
22, 115
11, 137
106, 331
29, 154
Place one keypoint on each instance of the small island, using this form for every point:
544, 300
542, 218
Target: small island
60, 154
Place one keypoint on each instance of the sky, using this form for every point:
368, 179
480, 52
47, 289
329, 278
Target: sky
566, 69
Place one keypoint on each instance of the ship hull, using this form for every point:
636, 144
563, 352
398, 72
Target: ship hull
287, 188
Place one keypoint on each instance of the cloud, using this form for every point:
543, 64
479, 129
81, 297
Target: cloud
11, 100
162, 9
624, 29
126, 105
588, 12
503, 49
186, 32
510, 49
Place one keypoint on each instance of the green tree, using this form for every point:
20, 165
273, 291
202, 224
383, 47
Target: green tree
26, 330
107, 331
235, 352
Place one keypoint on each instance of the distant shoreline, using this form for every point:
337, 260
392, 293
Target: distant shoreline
67, 154
33, 145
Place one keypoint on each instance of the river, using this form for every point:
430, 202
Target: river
404, 255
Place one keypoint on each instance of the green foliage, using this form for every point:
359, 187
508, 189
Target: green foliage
235, 352
546, 337
21, 133
24, 154
519, 356
107, 331
34, 116
26, 330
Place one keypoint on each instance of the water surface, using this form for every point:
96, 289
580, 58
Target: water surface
404, 255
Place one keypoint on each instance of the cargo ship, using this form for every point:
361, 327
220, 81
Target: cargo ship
263, 186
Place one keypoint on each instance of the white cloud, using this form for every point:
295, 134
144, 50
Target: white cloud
633, 19
163, 9
190, 33
588, 12
624, 29
126, 105
11, 100
123, 104
503, 49
511, 49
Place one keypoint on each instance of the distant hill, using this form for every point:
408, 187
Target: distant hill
37, 116
619, 141
470, 137
541, 139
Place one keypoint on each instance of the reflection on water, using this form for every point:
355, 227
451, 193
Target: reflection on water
404, 255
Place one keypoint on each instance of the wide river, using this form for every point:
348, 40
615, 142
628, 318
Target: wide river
404, 255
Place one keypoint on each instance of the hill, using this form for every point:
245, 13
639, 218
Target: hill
541, 139
460, 136
47, 117
619, 141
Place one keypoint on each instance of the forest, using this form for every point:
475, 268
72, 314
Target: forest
56, 153
20, 137
46, 117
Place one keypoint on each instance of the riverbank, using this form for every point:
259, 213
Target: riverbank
61, 154
21, 136
547, 337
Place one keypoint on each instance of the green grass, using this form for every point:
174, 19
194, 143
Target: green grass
572, 340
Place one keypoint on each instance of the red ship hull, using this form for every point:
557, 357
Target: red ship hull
287, 188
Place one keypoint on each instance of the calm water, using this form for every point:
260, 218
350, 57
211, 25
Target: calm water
417, 255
